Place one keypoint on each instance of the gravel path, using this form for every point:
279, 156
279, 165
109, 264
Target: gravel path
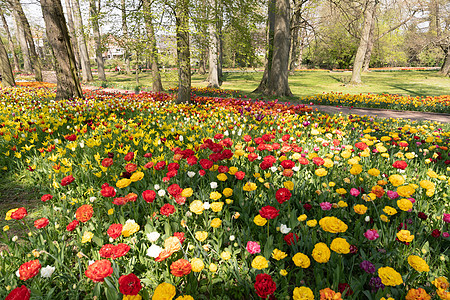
381, 113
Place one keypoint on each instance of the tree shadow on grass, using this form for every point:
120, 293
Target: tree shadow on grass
421, 90
14, 193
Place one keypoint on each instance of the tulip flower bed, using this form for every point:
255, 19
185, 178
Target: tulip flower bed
210, 92
439, 104
227, 199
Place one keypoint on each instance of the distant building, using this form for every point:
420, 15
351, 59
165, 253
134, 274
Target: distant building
113, 48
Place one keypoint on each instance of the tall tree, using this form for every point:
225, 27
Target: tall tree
374, 36
370, 44
445, 68
68, 84
5, 66
23, 44
213, 77
71, 27
153, 53
296, 34
81, 39
183, 51
440, 11
10, 41
278, 79
262, 87
364, 41
94, 14
35, 61
125, 37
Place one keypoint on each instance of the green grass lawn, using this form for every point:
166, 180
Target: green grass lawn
308, 83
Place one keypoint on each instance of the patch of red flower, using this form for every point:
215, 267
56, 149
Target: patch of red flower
67, 180
129, 284
107, 162
46, 197
19, 214
283, 195
99, 270
400, 164
19, 293
114, 230
264, 285
72, 225
149, 196
41, 223
269, 212
29, 269
167, 209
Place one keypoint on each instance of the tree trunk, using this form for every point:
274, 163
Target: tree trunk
269, 54
127, 53
301, 49
278, 79
213, 57
10, 42
156, 75
220, 47
183, 51
5, 67
137, 69
294, 42
84, 54
98, 40
23, 44
35, 61
202, 63
445, 69
370, 45
363, 43
68, 84
73, 36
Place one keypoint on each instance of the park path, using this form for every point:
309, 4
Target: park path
385, 113
374, 112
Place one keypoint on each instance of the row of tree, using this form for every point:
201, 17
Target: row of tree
290, 29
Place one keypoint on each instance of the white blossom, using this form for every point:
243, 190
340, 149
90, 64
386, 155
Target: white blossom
284, 229
47, 271
153, 236
154, 251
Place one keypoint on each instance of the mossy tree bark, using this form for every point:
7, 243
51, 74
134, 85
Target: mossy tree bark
269, 54
35, 61
156, 75
94, 15
79, 32
10, 41
68, 83
364, 42
183, 51
278, 84
5, 66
